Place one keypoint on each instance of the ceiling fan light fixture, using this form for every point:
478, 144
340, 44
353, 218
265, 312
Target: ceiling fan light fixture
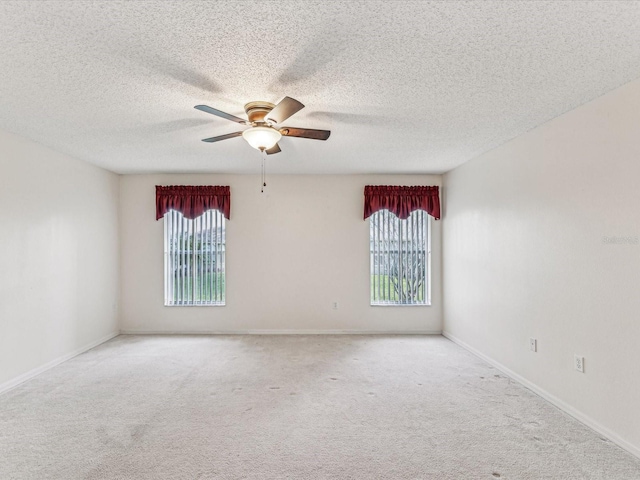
262, 138
262, 116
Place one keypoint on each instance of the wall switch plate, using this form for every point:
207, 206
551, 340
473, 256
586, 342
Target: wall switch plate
533, 344
578, 363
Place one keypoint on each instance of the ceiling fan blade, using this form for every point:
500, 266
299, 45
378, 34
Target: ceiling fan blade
222, 137
283, 110
274, 149
305, 133
218, 113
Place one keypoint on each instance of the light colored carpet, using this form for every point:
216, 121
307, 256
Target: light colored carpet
299, 407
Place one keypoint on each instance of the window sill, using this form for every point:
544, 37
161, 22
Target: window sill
213, 305
399, 304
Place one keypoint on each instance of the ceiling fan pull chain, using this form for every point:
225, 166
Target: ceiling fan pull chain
264, 172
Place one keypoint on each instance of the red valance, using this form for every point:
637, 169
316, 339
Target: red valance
401, 201
192, 201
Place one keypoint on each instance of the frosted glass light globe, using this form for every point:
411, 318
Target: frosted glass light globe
262, 138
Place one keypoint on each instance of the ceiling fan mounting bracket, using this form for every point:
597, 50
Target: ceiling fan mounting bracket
256, 111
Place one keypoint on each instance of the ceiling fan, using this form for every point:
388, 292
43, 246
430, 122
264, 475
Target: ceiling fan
264, 132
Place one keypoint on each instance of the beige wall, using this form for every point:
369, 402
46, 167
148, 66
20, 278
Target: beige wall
526, 254
291, 252
58, 256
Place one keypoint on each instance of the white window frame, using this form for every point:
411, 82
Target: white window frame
208, 232
379, 292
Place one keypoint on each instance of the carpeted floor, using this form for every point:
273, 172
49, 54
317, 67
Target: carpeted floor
298, 407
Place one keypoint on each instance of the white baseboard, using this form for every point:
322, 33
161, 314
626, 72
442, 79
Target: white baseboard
6, 386
562, 405
281, 332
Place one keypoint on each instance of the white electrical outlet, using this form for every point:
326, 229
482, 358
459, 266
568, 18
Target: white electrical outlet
533, 344
578, 362
335, 305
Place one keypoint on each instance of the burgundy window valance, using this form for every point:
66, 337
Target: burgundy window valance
192, 201
401, 201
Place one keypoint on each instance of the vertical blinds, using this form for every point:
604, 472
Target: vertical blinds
194, 259
399, 252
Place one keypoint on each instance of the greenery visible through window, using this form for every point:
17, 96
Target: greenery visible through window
399, 258
194, 259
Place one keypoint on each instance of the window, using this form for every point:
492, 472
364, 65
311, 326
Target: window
400, 255
194, 259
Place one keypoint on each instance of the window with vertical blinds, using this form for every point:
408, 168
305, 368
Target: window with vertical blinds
194, 259
400, 258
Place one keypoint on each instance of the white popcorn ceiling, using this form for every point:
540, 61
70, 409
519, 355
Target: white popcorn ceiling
404, 86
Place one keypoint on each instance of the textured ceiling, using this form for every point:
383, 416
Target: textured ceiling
404, 86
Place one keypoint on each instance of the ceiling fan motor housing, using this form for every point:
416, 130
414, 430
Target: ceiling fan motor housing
256, 111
